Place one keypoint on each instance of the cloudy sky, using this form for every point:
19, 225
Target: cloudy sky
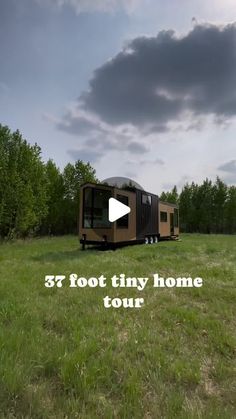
140, 88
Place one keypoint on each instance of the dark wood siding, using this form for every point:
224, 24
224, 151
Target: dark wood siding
146, 215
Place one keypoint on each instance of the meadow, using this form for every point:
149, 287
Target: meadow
63, 355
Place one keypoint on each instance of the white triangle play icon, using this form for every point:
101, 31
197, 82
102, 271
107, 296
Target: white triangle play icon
117, 210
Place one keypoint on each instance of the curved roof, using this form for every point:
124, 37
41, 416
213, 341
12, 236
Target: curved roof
120, 181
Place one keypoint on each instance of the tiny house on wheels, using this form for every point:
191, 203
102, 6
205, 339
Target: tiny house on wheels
149, 220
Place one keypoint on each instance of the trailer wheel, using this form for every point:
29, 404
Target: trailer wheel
146, 241
155, 239
151, 240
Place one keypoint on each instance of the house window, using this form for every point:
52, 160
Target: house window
146, 199
163, 216
100, 208
88, 197
176, 217
123, 222
95, 208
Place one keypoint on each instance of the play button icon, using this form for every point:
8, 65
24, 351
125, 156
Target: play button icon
117, 210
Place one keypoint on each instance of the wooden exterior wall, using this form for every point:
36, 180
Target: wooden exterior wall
165, 227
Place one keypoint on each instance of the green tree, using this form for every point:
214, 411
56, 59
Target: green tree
230, 210
74, 176
209, 207
54, 222
219, 198
186, 208
171, 196
22, 185
203, 201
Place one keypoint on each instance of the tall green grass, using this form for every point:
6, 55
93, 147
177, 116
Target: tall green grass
62, 354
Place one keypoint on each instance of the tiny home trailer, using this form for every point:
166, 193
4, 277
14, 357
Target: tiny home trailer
149, 220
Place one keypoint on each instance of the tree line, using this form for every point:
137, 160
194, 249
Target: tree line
36, 198
206, 208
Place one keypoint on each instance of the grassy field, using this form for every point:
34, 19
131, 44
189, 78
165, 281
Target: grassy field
63, 355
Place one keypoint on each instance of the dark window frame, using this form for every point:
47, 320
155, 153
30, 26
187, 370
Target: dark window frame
92, 208
149, 197
161, 216
91, 215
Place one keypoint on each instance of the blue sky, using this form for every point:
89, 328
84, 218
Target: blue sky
67, 82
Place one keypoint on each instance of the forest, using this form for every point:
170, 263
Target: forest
37, 198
